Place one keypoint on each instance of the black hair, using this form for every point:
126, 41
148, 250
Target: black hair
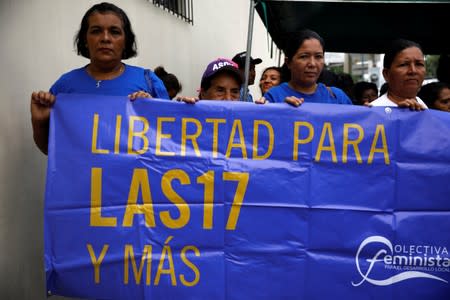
278, 69
297, 40
429, 93
362, 86
328, 77
443, 69
103, 8
384, 88
395, 48
345, 83
285, 73
170, 80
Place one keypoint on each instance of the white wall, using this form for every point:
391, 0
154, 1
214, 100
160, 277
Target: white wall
37, 48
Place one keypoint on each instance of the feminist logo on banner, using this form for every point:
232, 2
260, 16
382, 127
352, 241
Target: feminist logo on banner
412, 261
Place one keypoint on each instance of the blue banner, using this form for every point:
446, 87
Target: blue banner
230, 200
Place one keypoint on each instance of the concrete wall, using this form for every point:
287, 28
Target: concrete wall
37, 48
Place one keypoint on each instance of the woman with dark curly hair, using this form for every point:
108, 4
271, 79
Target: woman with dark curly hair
105, 38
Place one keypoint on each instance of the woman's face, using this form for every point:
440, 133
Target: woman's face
223, 87
307, 63
406, 74
443, 103
105, 37
269, 79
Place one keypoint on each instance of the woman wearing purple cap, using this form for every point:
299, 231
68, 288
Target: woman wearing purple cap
220, 81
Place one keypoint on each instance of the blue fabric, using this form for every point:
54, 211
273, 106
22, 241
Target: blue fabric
321, 95
130, 81
249, 96
156, 85
349, 203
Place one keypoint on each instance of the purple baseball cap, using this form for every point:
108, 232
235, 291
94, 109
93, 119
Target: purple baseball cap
221, 65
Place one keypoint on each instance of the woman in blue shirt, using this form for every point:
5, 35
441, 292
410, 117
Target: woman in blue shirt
105, 38
305, 60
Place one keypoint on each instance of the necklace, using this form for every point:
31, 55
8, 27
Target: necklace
109, 77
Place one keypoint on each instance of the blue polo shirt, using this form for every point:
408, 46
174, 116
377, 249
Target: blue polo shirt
321, 95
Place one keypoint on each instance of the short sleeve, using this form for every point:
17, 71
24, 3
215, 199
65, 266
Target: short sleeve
269, 97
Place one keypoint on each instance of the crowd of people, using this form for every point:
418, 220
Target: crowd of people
106, 37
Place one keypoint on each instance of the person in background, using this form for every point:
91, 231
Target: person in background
364, 92
305, 60
173, 86
404, 71
443, 69
105, 38
239, 59
328, 77
221, 80
436, 95
345, 83
269, 78
285, 73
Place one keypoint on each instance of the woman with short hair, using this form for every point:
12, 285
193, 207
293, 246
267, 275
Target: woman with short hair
105, 38
404, 72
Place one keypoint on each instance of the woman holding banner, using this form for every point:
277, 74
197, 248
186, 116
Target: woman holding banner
305, 60
404, 71
105, 38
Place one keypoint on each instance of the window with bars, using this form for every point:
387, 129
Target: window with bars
183, 9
